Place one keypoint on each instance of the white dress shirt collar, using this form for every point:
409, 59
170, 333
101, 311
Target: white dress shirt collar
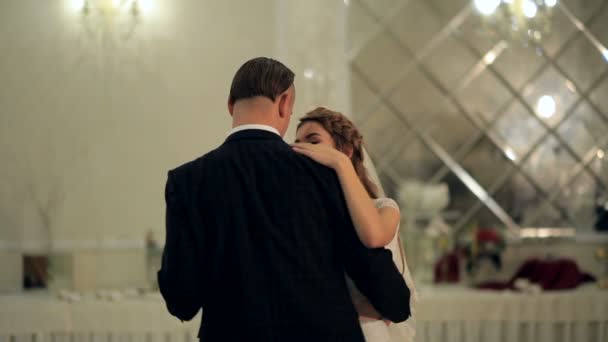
254, 126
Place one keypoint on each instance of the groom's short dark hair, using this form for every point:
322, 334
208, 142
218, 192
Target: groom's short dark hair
260, 76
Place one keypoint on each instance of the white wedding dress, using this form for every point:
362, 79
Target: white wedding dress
378, 331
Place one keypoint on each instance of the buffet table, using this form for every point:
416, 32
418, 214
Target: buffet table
443, 314
40, 317
460, 314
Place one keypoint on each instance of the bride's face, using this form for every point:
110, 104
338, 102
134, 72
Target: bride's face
313, 133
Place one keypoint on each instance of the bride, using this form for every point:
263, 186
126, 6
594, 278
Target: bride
331, 139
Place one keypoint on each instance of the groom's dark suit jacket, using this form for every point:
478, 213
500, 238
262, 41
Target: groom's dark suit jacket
259, 237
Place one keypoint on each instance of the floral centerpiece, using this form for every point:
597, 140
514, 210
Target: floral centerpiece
482, 244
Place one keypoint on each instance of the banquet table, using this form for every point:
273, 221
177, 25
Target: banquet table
454, 313
42, 317
442, 314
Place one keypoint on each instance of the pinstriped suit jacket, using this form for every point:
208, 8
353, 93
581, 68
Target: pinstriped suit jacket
259, 237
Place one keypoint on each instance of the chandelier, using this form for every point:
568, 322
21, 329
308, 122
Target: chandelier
526, 21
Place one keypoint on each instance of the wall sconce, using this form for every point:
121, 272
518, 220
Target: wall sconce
111, 21
111, 8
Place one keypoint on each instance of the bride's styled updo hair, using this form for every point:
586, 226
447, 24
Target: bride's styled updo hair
346, 137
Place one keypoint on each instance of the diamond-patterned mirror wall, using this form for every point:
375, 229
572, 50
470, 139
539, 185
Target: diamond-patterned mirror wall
518, 131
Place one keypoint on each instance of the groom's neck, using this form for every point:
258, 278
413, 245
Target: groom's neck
240, 120
248, 113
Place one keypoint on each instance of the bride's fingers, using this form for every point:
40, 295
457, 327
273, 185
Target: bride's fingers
301, 147
302, 150
310, 154
301, 144
309, 146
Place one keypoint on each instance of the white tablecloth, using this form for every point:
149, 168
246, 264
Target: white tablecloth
443, 314
459, 314
41, 317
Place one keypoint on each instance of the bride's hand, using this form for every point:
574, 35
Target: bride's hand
322, 154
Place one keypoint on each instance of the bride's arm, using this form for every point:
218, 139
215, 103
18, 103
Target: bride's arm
375, 227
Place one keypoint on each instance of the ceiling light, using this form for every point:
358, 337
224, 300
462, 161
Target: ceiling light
529, 8
550, 3
309, 73
487, 7
546, 106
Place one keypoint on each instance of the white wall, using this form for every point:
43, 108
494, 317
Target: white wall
90, 123
104, 124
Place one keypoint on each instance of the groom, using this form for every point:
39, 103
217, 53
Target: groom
259, 236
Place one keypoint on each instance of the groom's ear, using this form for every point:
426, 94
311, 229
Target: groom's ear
286, 101
230, 107
283, 104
